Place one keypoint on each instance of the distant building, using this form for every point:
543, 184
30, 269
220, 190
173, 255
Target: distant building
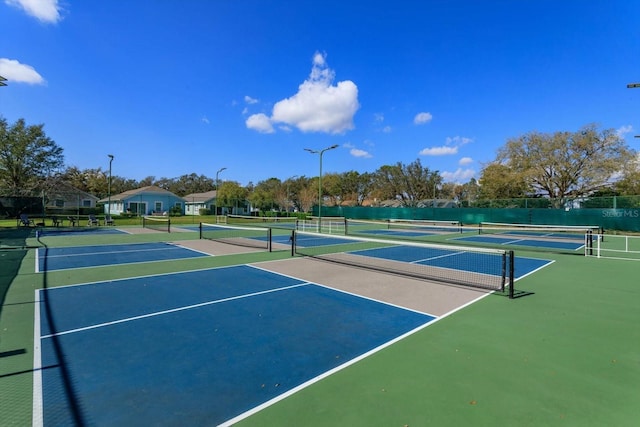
151, 200
66, 198
196, 203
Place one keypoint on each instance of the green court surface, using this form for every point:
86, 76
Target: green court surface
567, 353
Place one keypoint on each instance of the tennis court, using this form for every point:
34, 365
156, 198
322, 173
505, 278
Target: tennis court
212, 344
529, 240
50, 259
218, 343
263, 338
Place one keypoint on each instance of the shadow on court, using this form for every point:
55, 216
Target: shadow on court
13, 249
68, 390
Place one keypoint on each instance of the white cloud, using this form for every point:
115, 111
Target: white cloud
624, 130
43, 10
378, 117
250, 100
460, 176
422, 118
319, 105
205, 120
14, 71
260, 122
356, 152
458, 140
465, 161
386, 129
439, 151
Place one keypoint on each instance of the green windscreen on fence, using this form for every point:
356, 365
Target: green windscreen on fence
608, 219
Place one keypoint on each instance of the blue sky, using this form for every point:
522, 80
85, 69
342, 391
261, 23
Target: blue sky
173, 87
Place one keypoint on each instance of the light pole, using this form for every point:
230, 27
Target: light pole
217, 188
109, 189
321, 152
633, 86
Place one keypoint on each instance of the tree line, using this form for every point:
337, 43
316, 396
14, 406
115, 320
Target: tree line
554, 166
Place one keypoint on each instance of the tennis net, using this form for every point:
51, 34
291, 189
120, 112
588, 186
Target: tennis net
325, 224
254, 237
491, 269
574, 233
401, 228
157, 223
288, 222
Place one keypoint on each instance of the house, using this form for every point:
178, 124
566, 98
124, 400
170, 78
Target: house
150, 200
54, 197
63, 198
198, 203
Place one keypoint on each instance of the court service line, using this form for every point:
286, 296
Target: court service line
174, 310
435, 257
348, 363
171, 247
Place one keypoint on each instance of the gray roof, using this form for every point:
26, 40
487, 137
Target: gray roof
201, 197
151, 189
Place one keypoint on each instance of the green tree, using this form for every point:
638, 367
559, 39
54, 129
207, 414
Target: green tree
231, 194
265, 195
192, 183
629, 182
500, 181
355, 187
566, 164
27, 156
409, 183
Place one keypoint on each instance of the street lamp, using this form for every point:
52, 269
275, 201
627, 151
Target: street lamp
217, 188
2, 81
109, 189
321, 152
632, 86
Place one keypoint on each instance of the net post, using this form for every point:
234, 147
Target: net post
269, 241
294, 243
589, 244
200, 230
168, 224
504, 271
512, 285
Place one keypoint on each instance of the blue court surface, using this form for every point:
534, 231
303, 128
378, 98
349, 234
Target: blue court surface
397, 233
454, 259
204, 346
523, 241
79, 231
50, 259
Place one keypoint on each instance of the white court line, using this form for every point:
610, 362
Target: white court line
435, 257
326, 374
37, 411
117, 252
350, 293
173, 310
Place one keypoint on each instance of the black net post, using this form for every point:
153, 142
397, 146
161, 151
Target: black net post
512, 284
